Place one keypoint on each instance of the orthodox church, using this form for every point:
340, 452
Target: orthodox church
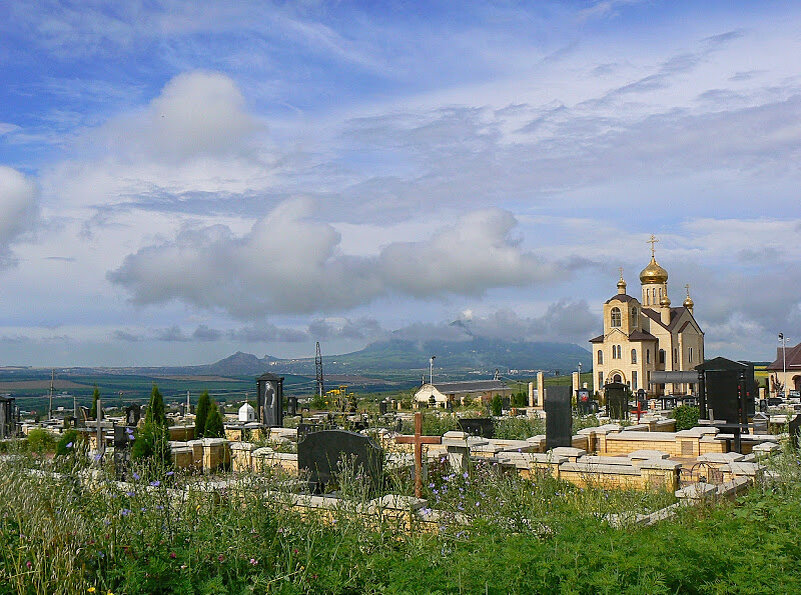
642, 336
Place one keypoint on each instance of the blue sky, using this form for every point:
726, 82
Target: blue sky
181, 180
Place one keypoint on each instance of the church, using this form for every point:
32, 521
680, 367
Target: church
647, 335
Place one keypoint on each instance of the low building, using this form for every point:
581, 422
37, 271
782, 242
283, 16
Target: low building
456, 392
786, 359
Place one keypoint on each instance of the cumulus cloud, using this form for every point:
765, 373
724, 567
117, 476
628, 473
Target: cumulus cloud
18, 208
290, 263
362, 328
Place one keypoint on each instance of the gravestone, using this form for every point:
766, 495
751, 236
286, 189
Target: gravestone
7, 421
763, 405
483, 427
123, 436
133, 414
270, 400
382, 407
292, 406
794, 430
617, 400
727, 390
761, 423
321, 453
558, 417
84, 415
584, 403
307, 428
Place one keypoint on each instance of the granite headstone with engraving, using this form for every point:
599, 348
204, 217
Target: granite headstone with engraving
558, 417
323, 455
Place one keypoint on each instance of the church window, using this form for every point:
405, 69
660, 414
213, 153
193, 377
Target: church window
616, 318
691, 355
634, 320
634, 380
647, 356
600, 379
600, 356
633, 356
617, 352
661, 356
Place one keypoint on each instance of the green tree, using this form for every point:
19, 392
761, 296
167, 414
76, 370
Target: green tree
155, 409
496, 405
214, 422
201, 413
686, 417
95, 397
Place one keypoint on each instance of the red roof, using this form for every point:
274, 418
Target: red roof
793, 358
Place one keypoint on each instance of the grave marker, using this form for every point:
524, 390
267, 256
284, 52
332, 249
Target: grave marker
558, 417
133, 413
617, 400
418, 440
270, 400
483, 427
321, 453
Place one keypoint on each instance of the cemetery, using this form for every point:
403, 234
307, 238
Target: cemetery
398, 477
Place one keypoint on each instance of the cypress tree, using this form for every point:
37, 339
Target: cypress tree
95, 397
201, 414
214, 422
155, 409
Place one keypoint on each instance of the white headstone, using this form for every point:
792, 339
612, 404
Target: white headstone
247, 413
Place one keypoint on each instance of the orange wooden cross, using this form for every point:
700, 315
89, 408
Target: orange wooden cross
418, 440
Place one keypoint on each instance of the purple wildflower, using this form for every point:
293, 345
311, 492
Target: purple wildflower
69, 444
155, 484
125, 511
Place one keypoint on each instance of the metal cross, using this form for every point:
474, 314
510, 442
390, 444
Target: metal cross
652, 241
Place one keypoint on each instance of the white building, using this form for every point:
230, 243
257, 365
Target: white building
455, 392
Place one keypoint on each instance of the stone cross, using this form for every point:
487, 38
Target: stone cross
418, 440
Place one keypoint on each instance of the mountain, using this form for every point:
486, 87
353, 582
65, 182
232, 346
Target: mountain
400, 357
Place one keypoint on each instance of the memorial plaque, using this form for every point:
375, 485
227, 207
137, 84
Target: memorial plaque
584, 402
617, 400
483, 427
270, 400
558, 417
323, 453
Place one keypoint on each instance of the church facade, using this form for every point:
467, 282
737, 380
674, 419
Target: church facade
645, 335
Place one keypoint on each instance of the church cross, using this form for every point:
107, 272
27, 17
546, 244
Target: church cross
653, 242
687, 287
418, 440
621, 271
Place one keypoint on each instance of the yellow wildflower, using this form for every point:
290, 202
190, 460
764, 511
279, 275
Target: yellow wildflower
91, 589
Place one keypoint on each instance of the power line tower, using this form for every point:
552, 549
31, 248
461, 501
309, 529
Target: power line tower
318, 366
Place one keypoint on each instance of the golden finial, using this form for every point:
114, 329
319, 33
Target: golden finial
688, 302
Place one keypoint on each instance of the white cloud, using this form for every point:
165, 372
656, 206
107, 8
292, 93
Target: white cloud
289, 263
18, 207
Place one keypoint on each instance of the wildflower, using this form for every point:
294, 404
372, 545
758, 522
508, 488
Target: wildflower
155, 484
109, 593
254, 561
197, 508
477, 503
125, 511
69, 444
295, 551
28, 564
183, 566
431, 485
97, 457
159, 507
465, 474
136, 476
91, 589
220, 558
130, 494
172, 555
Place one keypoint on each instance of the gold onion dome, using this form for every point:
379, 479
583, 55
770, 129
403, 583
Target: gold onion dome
665, 301
653, 273
688, 302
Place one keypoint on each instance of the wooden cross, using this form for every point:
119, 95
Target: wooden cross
418, 440
653, 242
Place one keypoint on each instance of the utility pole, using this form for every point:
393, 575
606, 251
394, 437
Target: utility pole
783, 341
318, 366
52, 388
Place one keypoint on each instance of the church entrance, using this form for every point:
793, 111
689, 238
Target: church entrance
617, 378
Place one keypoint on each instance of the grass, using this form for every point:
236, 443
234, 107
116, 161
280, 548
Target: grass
66, 534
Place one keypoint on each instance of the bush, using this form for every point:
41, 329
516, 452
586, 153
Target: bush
686, 417
496, 405
70, 443
41, 441
519, 399
152, 442
518, 428
201, 413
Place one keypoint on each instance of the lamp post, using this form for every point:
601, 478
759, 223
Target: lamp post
431, 369
783, 341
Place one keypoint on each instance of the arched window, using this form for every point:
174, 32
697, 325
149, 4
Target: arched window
634, 380
647, 356
600, 356
661, 356
691, 355
634, 318
633, 356
600, 380
616, 319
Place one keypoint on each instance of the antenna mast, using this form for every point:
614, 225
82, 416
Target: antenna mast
52, 388
318, 365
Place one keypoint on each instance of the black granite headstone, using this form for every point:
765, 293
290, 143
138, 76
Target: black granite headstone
323, 453
727, 390
794, 430
307, 428
270, 400
558, 417
122, 452
584, 402
617, 400
382, 407
7, 422
292, 406
483, 427
132, 414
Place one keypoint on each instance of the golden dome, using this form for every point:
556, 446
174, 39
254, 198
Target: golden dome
653, 273
665, 301
689, 303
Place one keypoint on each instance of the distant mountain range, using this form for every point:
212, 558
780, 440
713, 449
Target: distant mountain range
396, 357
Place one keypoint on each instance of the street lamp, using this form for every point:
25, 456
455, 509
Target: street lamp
783, 341
431, 369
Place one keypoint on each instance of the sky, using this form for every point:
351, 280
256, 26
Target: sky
180, 180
